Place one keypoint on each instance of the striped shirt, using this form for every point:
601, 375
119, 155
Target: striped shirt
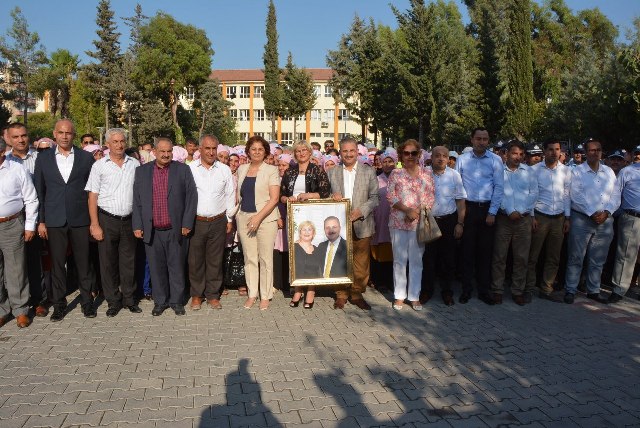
29, 161
113, 184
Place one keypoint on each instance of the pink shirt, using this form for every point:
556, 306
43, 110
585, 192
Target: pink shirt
411, 192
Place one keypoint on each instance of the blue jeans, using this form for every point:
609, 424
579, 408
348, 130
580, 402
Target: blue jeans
589, 239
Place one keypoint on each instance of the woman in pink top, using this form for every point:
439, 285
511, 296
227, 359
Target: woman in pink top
408, 189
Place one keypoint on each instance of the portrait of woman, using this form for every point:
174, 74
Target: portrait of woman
307, 261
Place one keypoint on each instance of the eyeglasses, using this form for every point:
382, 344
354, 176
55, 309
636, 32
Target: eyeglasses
412, 153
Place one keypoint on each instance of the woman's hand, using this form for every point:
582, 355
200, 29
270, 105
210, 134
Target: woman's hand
412, 214
280, 223
253, 224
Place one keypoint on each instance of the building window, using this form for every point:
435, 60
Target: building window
233, 113
258, 115
302, 118
189, 93
286, 117
244, 136
244, 114
231, 92
328, 92
301, 136
245, 91
316, 90
259, 134
316, 114
328, 135
343, 114
315, 135
287, 138
329, 114
258, 91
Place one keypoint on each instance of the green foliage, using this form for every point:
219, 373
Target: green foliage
212, 113
155, 121
84, 106
299, 95
57, 78
273, 93
5, 115
40, 125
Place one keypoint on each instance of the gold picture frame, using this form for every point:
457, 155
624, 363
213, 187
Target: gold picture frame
318, 217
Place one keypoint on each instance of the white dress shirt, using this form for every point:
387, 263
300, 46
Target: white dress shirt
629, 185
553, 189
482, 178
65, 163
592, 192
520, 190
349, 179
113, 184
216, 189
17, 192
449, 189
29, 161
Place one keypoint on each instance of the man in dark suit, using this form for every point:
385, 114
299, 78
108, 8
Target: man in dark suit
333, 250
165, 199
60, 177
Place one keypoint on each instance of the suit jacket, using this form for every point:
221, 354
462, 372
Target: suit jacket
182, 196
339, 265
365, 196
267, 176
63, 203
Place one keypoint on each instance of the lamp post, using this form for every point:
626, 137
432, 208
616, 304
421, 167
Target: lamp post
101, 130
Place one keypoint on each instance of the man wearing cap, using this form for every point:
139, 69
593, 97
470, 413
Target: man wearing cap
628, 182
453, 157
578, 156
18, 216
550, 220
110, 188
594, 197
534, 154
616, 161
500, 149
483, 180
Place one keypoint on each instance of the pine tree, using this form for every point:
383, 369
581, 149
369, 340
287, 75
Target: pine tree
272, 95
299, 95
212, 112
103, 74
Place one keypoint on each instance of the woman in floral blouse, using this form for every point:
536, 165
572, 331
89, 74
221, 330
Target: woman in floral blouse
408, 189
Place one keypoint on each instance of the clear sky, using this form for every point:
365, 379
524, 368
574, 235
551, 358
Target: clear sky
236, 28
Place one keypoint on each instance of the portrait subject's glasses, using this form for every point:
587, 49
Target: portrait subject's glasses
412, 153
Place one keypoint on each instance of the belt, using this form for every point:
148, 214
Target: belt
440, 217
503, 212
480, 204
117, 217
633, 213
162, 228
579, 212
210, 219
11, 217
549, 215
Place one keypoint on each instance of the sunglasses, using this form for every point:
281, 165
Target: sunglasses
412, 153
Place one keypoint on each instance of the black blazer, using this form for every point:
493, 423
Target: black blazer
182, 196
339, 265
63, 203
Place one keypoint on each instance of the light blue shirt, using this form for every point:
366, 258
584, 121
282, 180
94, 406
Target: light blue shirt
482, 178
520, 190
553, 189
449, 189
629, 186
592, 192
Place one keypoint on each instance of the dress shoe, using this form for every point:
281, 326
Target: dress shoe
57, 315
528, 296
179, 310
597, 297
113, 311
614, 298
158, 310
519, 300
147, 297
425, 297
89, 311
464, 298
552, 297
3, 320
495, 297
569, 298
339, 303
41, 311
361, 303
196, 303
448, 299
23, 321
214, 304
134, 309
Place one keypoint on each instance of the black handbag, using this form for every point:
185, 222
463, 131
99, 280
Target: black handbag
233, 267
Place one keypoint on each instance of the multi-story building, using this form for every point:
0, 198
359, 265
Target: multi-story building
328, 120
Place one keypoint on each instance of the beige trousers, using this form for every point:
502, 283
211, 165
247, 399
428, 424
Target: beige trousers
258, 255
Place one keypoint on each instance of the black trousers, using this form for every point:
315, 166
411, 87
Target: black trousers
167, 259
33, 257
477, 249
439, 257
117, 253
206, 251
59, 240
281, 271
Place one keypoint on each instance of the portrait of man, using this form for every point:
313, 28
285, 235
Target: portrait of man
333, 250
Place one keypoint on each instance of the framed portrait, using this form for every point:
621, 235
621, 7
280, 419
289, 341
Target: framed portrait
320, 246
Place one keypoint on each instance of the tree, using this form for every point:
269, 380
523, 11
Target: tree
212, 113
299, 94
84, 106
273, 94
172, 56
23, 56
40, 125
155, 121
103, 75
57, 79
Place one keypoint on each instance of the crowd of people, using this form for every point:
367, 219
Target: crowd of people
163, 220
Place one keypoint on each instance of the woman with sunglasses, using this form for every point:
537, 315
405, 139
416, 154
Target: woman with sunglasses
409, 188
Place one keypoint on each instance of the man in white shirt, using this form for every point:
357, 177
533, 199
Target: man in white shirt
18, 216
594, 197
550, 220
216, 202
449, 211
110, 188
513, 224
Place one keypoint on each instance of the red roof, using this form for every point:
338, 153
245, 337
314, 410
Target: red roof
256, 75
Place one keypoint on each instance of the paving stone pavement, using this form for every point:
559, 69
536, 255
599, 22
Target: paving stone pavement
542, 365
